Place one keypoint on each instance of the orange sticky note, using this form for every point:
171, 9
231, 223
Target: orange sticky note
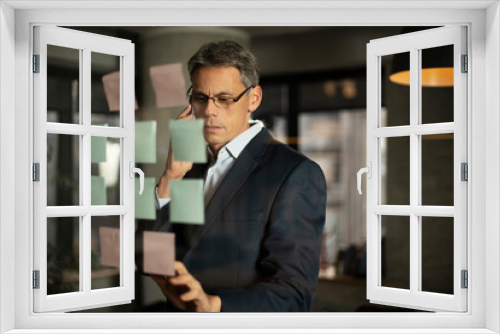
110, 246
111, 83
169, 85
159, 253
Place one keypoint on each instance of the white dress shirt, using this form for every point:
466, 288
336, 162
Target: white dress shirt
218, 168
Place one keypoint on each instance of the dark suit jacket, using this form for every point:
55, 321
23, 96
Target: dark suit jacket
260, 246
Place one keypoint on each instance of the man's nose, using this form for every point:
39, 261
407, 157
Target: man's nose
211, 108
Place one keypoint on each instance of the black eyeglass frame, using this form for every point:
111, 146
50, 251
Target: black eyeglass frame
235, 99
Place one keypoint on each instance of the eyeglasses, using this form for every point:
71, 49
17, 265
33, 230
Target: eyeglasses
198, 100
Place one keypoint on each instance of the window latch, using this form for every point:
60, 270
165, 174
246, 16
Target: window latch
134, 170
368, 171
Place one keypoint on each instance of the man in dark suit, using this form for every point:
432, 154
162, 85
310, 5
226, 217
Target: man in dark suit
259, 248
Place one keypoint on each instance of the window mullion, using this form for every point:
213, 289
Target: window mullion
85, 274
414, 169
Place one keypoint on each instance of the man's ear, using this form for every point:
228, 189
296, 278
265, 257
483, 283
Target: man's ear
255, 98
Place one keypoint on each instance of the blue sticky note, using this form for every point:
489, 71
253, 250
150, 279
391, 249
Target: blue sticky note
145, 204
145, 142
98, 191
187, 140
187, 201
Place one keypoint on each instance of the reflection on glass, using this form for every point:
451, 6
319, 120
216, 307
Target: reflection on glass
437, 254
395, 171
437, 84
105, 252
105, 169
396, 252
437, 170
396, 89
63, 72
63, 157
105, 90
63, 255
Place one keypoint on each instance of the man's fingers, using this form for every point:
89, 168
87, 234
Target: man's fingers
181, 279
186, 113
190, 295
180, 268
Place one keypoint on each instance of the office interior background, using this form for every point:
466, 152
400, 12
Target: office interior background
314, 99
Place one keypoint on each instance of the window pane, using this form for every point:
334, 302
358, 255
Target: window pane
396, 252
105, 179
63, 73
63, 168
105, 91
105, 252
437, 170
395, 170
437, 254
63, 255
437, 84
396, 89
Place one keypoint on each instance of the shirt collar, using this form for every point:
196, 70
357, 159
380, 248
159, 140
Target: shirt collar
236, 146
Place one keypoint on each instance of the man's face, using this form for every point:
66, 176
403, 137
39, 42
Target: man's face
221, 125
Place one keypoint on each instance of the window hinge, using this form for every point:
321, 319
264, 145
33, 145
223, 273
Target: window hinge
36, 172
36, 279
464, 172
465, 279
465, 64
36, 63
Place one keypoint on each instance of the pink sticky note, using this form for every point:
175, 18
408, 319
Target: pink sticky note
169, 85
159, 253
111, 83
110, 246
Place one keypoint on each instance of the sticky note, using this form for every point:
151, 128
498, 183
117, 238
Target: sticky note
109, 238
187, 140
159, 253
145, 204
145, 142
98, 191
169, 85
98, 149
111, 84
187, 201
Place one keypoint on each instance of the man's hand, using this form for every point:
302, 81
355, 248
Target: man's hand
174, 170
185, 292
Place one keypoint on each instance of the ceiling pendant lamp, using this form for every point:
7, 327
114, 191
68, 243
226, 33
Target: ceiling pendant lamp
437, 66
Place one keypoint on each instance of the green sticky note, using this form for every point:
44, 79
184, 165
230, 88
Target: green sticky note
145, 142
187, 140
187, 201
98, 191
98, 149
145, 207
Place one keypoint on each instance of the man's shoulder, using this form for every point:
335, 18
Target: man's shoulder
282, 154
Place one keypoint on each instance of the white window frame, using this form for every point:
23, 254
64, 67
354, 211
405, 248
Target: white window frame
84, 131
414, 43
483, 147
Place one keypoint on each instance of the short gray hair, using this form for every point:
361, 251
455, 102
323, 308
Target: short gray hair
225, 54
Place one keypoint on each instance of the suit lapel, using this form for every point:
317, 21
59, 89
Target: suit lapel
234, 180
